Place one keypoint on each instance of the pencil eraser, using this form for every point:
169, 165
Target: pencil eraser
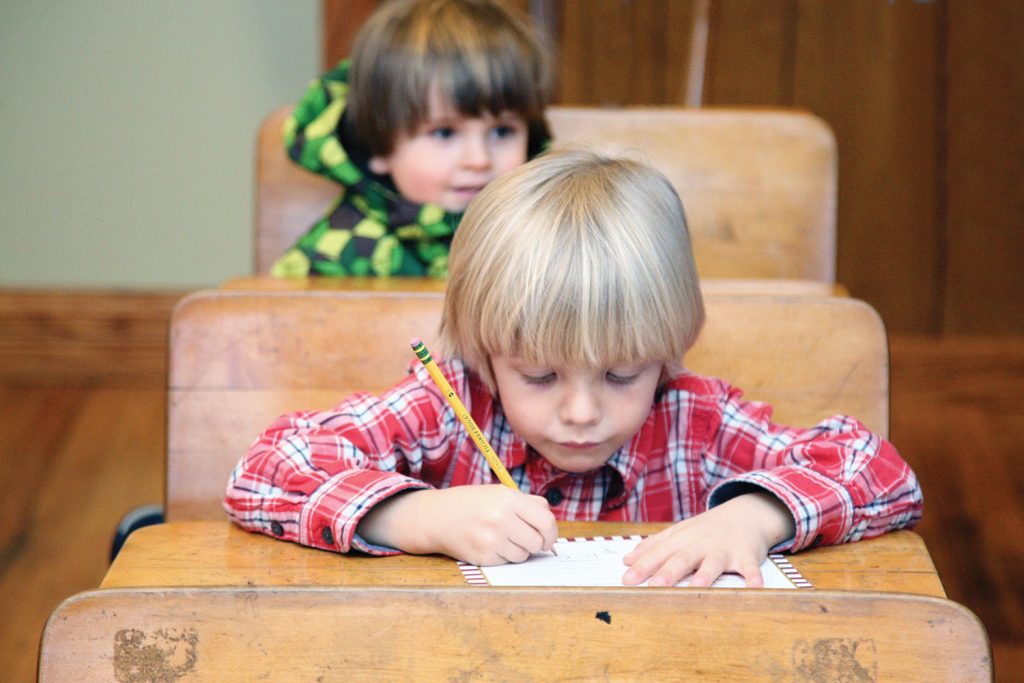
415, 342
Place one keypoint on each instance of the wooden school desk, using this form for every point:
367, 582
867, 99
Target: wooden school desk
206, 601
217, 553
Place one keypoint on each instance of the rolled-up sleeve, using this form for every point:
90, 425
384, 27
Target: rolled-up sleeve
312, 476
840, 481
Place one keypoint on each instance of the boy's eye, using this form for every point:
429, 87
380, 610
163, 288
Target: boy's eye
621, 378
442, 132
545, 378
505, 131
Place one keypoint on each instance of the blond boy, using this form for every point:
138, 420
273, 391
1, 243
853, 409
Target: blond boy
572, 299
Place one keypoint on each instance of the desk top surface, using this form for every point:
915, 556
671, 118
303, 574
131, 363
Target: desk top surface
220, 554
781, 287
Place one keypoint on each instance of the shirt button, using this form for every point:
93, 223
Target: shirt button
327, 535
554, 496
276, 529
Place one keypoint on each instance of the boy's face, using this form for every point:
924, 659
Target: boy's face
576, 418
449, 158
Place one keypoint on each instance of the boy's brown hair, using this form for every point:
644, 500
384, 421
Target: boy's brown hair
482, 55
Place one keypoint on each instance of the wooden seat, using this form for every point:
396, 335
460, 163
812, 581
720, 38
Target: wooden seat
758, 185
358, 633
240, 359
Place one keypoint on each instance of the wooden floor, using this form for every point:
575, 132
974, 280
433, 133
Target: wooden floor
958, 419
81, 448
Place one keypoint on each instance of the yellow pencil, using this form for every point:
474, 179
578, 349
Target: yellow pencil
463, 414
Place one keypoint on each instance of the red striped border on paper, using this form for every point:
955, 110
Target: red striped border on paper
789, 571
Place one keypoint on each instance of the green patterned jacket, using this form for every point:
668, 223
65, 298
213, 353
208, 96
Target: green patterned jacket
370, 229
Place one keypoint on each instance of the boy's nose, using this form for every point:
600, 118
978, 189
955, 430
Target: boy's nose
580, 407
475, 153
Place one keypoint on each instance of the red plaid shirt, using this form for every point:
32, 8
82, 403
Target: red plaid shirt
311, 476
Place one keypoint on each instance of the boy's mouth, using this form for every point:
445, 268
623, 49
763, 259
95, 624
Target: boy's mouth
579, 445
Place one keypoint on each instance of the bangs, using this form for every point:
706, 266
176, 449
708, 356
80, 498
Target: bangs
580, 304
475, 83
478, 57
473, 72
572, 278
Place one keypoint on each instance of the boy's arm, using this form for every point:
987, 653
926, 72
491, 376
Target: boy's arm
312, 476
362, 476
839, 481
776, 488
482, 525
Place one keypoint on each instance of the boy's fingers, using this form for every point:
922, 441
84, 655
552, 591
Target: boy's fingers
540, 518
639, 551
527, 538
751, 573
648, 545
514, 553
508, 551
710, 569
657, 564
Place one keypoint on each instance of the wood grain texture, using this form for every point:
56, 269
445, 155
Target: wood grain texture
984, 278
75, 460
758, 185
217, 553
341, 21
871, 70
244, 634
28, 449
959, 421
84, 337
751, 52
262, 283
621, 53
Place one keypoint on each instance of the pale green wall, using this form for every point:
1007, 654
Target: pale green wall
127, 130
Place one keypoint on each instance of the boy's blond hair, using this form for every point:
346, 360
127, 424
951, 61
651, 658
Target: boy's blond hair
573, 259
482, 55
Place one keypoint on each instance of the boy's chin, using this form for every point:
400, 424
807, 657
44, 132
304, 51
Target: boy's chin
448, 206
458, 201
576, 464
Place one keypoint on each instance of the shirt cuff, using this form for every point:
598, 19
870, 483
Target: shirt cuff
330, 517
822, 509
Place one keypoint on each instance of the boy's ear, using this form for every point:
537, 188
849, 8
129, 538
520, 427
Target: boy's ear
379, 165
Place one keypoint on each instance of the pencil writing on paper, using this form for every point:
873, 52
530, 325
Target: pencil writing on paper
462, 413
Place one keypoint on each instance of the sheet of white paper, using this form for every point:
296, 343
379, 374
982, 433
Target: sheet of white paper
598, 562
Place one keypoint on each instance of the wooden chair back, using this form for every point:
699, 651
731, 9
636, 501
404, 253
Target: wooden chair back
758, 185
395, 633
240, 359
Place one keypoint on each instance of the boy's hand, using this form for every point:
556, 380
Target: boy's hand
483, 525
732, 537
